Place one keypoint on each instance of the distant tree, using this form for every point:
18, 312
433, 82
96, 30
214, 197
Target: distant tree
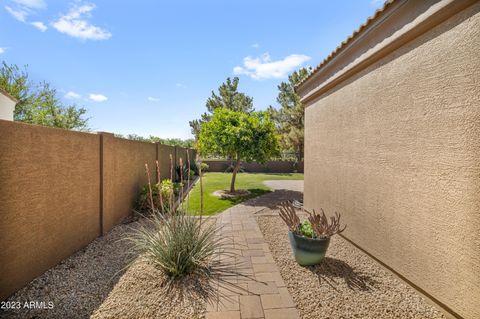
228, 97
188, 143
39, 104
289, 118
239, 136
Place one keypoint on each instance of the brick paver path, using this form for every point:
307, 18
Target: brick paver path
259, 290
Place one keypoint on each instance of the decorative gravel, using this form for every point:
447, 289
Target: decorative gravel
347, 284
101, 281
140, 293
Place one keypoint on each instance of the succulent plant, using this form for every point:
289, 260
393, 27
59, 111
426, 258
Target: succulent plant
318, 224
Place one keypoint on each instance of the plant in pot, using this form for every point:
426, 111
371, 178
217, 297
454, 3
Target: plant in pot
309, 239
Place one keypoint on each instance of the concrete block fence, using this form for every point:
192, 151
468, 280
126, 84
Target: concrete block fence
253, 167
59, 190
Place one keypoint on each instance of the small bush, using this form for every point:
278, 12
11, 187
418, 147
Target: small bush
204, 167
179, 244
143, 205
185, 171
166, 188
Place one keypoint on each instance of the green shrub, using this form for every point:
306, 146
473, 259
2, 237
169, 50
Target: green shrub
204, 167
143, 205
179, 244
193, 171
169, 191
166, 189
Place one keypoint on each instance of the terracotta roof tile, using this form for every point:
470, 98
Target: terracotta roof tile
377, 15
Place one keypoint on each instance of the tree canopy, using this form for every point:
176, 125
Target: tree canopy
289, 118
39, 103
188, 143
239, 136
228, 97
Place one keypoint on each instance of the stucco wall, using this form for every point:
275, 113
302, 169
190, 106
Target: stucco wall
396, 150
124, 175
49, 199
164, 152
269, 167
60, 189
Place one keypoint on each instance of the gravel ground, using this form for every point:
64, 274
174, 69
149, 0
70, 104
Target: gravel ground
347, 284
98, 282
140, 294
78, 284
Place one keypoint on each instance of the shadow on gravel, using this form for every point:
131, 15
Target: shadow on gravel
332, 270
273, 199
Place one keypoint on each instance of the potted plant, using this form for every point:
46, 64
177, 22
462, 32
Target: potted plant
309, 239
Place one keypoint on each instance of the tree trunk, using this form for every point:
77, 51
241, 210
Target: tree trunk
234, 175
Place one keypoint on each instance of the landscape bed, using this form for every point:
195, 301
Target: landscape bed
107, 280
346, 284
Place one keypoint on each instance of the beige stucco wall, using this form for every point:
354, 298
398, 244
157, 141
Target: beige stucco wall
396, 150
60, 189
49, 199
123, 176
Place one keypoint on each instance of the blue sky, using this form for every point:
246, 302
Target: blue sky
147, 67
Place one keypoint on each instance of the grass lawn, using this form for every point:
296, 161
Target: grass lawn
220, 181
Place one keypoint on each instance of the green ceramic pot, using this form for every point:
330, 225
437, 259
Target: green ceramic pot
308, 251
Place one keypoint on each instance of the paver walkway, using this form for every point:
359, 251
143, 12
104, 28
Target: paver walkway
259, 290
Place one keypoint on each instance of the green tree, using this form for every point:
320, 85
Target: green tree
39, 104
289, 118
188, 143
228, 97
239, 136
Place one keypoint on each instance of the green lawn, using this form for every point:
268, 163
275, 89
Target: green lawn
219, 181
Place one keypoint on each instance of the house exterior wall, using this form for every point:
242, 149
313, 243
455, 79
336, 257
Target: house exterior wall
395, 148
7, 106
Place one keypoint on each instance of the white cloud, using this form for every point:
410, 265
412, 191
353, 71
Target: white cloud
24, 8
19, 14
153, 99
264, 68
97, 97
34, 4
75, 24
39, 25
72, 95
2, 50
255, 45
180, 85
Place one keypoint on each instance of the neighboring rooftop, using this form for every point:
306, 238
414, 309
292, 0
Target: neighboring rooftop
8, 95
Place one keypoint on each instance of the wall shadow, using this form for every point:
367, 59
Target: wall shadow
273, 199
